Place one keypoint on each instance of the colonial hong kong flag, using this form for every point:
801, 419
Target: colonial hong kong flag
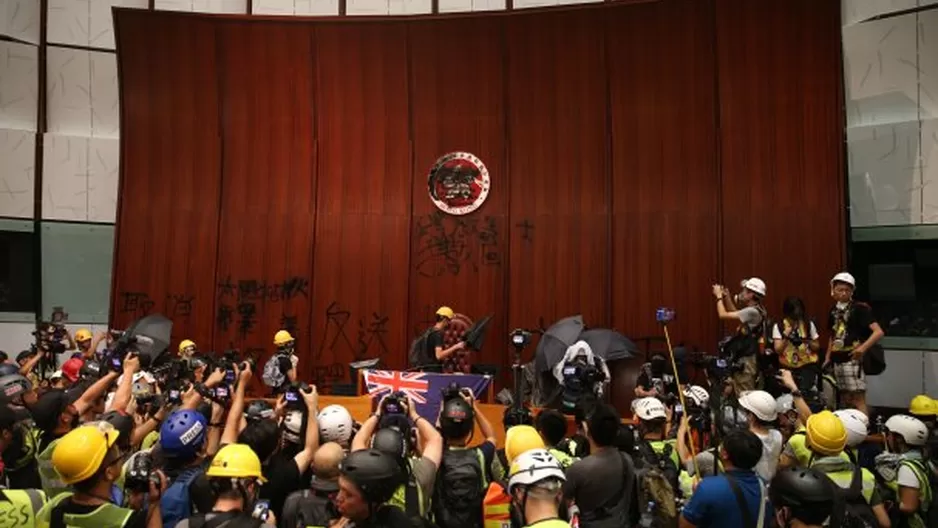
424, 388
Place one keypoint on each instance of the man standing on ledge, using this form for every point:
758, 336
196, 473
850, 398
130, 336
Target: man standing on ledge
431, 353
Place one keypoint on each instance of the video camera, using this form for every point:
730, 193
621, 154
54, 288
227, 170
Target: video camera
453, 390
141, 473
520, 338
293, 397
717, 367
394, 403
229, 359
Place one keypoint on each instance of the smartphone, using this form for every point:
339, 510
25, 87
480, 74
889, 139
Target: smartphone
229, 376
291, 396
221, 392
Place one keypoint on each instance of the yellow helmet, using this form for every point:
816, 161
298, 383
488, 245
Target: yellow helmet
521, 438
236, 461
83, 335
922, 405
79, 454
826, 434
282, 337
184, 344
445, 311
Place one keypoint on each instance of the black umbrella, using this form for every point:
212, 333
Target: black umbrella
148, 336
609, 344
475, 335
555, 341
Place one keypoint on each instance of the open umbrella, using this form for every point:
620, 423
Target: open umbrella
475, 335
553, 344
609, 344
149, 336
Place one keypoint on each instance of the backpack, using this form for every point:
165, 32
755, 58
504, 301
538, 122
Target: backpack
304, 509
272, 376
657, 482
874, 360
460, 484
175, 505
857, 512
417, 356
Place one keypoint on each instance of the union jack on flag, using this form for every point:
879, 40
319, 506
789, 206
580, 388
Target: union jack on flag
413, 384
424, 388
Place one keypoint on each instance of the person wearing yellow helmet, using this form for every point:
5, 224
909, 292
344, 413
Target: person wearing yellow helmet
187, 348
86, 343
236, 477
89, 461
280, 369
427, 351
826, 438
925, 409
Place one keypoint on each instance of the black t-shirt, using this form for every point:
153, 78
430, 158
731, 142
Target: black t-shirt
646, 377
200, 491
434, 339
858, 318
138, 519
283, 478
285, 364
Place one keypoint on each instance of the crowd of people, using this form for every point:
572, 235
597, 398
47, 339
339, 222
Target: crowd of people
109, 440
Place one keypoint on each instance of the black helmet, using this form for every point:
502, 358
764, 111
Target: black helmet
377, 475
517, 415
8, 369
13, 386
457, 418
124, 424
258, 410
392, 441
808, 492
90, 369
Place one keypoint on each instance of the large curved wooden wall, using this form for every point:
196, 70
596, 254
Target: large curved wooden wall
273, 171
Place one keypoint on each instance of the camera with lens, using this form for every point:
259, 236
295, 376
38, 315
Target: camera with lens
174, 395
453, 390
140, 474
293, 397
394, 403
795, 339
520, 337
227, 362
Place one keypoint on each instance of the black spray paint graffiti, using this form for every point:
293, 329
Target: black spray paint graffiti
325, 376
369, 340
527, 230
175, 305
240, 302
447, 243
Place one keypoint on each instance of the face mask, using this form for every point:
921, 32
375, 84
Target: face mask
842, 306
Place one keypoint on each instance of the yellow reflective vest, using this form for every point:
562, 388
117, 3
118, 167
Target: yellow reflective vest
20, 507
104, 516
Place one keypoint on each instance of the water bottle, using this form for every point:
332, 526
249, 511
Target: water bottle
647, 519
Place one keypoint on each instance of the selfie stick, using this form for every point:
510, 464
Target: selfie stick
680, 394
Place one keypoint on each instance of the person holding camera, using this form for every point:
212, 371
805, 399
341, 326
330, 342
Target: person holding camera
748, 343
236, 477
656, 380
457, 499
582, 375
854, 331
795, 340
89, 461
86, 344
389, 430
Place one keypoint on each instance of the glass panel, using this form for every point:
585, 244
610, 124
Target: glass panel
76, 270
17, 266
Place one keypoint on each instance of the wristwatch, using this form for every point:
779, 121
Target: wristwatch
796, 394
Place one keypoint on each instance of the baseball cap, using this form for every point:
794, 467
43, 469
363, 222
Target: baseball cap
56, 375
48, 408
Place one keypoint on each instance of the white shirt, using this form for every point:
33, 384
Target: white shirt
771, 450
907, 478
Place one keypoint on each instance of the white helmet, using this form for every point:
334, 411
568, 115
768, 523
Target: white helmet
754, 284
759, 403
698, 394
335, 425
784, 404
911, 429
292, 425
844, 277
649, 409
534, 466
856, 423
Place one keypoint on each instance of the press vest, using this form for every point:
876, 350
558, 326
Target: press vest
563, 457
496, 507
799, 446
845, 478
792, 356
659, 445
51, 481
407, 494
21, 507
925, 492
105, 516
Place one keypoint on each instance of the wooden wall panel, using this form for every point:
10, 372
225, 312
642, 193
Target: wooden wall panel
781, 116
263, 280
664, 171
362, 226
170, 173
458, 104
558, 169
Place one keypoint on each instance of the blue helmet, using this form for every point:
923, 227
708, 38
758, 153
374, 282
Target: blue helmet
183, 433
